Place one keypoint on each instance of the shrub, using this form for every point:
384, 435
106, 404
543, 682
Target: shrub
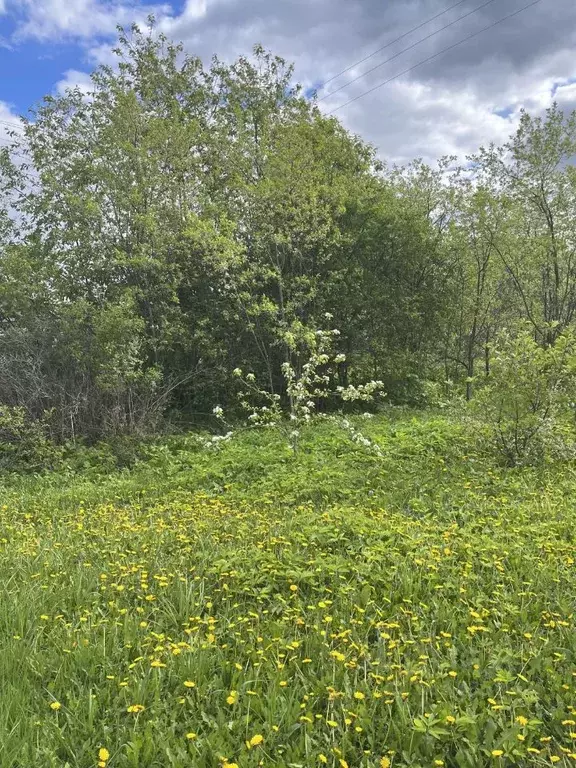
25, 443
526, 404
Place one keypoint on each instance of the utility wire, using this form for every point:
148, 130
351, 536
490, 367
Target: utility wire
15, 126
13, 153
396, 40
409, 48
435, 56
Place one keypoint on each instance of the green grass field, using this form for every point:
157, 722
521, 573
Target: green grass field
242, 607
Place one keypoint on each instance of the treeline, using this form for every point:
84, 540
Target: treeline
179, 221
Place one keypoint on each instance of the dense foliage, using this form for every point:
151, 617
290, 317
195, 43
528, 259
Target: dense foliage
177, 222
243, 606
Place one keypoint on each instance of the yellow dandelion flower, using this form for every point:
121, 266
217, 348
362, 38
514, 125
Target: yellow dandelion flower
359, 696
191, 736
232, 698
55, 705
384, 762
157, 663
255, 741
497, 752
189, 684
103, 754
135, 708
322, 758
293, 588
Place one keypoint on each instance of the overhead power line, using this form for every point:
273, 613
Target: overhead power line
409, 48
436, 55
396, 40
15, 126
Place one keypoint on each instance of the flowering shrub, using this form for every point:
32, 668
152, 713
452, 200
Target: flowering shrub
306, 385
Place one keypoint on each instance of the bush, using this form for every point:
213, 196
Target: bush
527, 404
25, 443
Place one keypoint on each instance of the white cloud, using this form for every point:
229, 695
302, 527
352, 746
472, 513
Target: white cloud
7, 115
194, 9
9, 122
73, 78
468, 96
48, 20
566, 96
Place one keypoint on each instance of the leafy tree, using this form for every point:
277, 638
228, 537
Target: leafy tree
537, 191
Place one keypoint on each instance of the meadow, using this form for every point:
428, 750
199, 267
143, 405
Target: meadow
238, 606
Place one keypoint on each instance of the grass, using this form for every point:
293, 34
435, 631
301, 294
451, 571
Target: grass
242, 607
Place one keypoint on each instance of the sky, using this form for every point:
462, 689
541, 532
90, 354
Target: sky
454, 102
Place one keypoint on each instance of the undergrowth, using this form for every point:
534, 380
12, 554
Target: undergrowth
243, 606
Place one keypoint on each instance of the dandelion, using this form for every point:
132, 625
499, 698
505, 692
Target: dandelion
191, 736
385, 762
497, 752
189, 684
255, 741
232, 698
359, 696
293, 588
135, 708
55, 705
157, 664
103, 755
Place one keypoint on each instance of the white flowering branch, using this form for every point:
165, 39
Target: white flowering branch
306, 386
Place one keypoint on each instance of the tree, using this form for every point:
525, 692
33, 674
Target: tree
537, 190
